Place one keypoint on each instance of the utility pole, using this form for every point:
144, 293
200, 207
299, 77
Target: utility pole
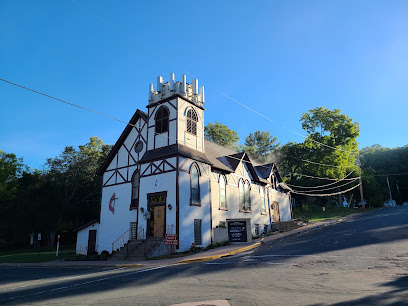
361, 182
389, 189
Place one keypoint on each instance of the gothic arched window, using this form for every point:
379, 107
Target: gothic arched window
135, 189
162, 120
241, 195
223, 192
247, 196
262, 192
194, 185
192, 119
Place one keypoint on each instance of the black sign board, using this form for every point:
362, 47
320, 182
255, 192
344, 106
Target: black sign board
237, 231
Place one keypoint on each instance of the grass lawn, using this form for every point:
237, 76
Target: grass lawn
317, 214
29, 255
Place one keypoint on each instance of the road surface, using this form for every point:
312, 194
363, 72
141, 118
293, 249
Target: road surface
363, 261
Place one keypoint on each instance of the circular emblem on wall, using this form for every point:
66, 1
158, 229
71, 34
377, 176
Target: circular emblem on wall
138, 146
157, 183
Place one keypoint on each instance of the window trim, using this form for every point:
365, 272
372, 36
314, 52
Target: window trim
223, 177
246, 185
195, 165
192, 121
262, 193
161, 119
134, 203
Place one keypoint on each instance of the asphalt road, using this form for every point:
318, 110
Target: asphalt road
362, 261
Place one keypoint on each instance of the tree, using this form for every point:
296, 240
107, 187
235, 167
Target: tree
260, 144
74, 173
291, 158
221, 135
332, 140
11, 168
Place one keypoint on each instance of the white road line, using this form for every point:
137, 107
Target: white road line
88, 282
5, 287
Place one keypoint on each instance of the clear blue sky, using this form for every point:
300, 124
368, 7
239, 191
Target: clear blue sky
280, 58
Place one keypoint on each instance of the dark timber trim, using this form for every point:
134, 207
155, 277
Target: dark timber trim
172, 98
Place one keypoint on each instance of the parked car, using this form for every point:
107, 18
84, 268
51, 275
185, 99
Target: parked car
390, 202
405, 203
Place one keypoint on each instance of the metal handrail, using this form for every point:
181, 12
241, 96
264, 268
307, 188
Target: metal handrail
122, 239
137, 235
147, 239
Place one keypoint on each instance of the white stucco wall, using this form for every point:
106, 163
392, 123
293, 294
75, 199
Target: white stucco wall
188, 212
168, 184
284, 207
82, 239
233, 212
113, 225
185, 138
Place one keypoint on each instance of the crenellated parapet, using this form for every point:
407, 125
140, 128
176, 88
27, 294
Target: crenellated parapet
188, 91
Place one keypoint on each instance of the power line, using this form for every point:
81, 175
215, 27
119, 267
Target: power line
236, 101
329, 187
390, 174
66, 102
326, 195
321, 178
313, 187
101, 114
110, 117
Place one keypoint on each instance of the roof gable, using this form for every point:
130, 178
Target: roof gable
137, 115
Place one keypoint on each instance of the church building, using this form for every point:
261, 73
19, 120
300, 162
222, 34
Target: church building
162, 177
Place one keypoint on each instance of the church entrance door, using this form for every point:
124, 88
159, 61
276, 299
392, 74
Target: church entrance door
156, 205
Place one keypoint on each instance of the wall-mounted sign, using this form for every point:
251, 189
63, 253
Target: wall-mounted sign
237, 231
157, 183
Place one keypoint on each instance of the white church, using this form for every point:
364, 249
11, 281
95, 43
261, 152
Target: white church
162, 177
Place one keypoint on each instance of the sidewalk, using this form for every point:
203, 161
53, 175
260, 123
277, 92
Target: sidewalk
212, 254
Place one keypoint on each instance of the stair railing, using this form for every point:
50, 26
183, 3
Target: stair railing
149, 239
121, 241
141, 231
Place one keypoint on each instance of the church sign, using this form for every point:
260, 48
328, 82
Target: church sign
237, 231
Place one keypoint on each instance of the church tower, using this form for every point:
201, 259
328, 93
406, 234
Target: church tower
176, 114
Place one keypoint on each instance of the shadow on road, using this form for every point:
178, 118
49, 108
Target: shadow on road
378, 227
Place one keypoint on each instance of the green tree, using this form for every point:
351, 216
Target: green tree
260, 144
221, 135
328, 129
74, 173
291, 158
11, 168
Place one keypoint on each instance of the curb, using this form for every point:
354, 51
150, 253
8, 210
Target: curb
207, 258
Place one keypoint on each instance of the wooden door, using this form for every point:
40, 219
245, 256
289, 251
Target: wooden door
275, 211
158, 227
92, 242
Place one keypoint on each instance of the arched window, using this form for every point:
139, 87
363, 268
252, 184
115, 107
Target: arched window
192, 121
223, 192
162, 120
247, 196
135, 189
194, 185
263, 206
241, 195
